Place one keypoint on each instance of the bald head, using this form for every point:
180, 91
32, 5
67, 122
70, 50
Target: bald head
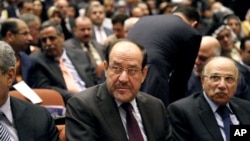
209, 47
211, 43
219, 79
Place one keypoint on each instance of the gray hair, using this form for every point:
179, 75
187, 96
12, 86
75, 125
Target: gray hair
29, 18
53, 24
218, 30
7, 57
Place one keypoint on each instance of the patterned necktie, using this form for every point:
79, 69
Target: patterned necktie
225, 115
4, 134
68, 78
134, 132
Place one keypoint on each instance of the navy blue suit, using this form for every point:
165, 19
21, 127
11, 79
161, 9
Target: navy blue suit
28, 67
172, 47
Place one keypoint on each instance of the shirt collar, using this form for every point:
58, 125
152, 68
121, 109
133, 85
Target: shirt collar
213, 105
6, 109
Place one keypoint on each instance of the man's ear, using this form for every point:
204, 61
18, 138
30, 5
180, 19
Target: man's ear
194, 23
11, 75
144, 73
9, 36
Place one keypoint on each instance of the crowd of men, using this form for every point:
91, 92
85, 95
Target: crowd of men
127, 69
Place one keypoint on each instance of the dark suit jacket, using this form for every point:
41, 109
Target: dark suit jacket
76, 44
51, 75
172, 47
11, 10
192, 118
32, 122
28, 66
93, 115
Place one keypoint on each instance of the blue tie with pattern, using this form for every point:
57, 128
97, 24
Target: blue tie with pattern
4, 134
225, 115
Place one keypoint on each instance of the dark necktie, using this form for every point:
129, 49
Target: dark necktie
90, 54
4, 134
225, 115
133, 129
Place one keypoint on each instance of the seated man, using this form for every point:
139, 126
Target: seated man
16, 33
20, 120
106, 112
63, 69
210, 47
200, 117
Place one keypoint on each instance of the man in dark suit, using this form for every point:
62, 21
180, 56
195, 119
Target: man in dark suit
16, 33
83, 40
172, 47
197, 117
20, 120
210, 47
76, 62
97, 114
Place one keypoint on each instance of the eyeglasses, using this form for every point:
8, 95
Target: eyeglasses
51, 38
24, 33
129, 71
216, 78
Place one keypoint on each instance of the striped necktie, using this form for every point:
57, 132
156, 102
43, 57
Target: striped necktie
225, 115
4, 134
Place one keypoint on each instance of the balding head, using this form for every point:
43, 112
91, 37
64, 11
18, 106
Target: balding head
209, 47
219, 79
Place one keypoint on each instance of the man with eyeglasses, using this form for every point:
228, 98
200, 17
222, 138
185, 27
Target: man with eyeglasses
210, 47
207, 116
100, 114
16, 33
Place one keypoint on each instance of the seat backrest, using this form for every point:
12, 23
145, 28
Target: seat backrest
49, 97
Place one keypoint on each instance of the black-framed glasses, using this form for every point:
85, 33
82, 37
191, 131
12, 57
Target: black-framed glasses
129, 71
216, 78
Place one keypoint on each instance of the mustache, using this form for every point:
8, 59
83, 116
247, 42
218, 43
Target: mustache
122, 85
48, 47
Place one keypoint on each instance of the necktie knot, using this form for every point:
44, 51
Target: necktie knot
223, 111
127, 107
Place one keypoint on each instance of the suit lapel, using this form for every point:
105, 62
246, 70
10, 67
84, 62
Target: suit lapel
208, 119
23, 122
80, 65
53, 66
242, 116
77, 43
146, 116
111, 113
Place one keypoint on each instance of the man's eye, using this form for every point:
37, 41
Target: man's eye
215, 78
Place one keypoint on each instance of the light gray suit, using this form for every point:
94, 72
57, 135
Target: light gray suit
76, 44
93, 115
